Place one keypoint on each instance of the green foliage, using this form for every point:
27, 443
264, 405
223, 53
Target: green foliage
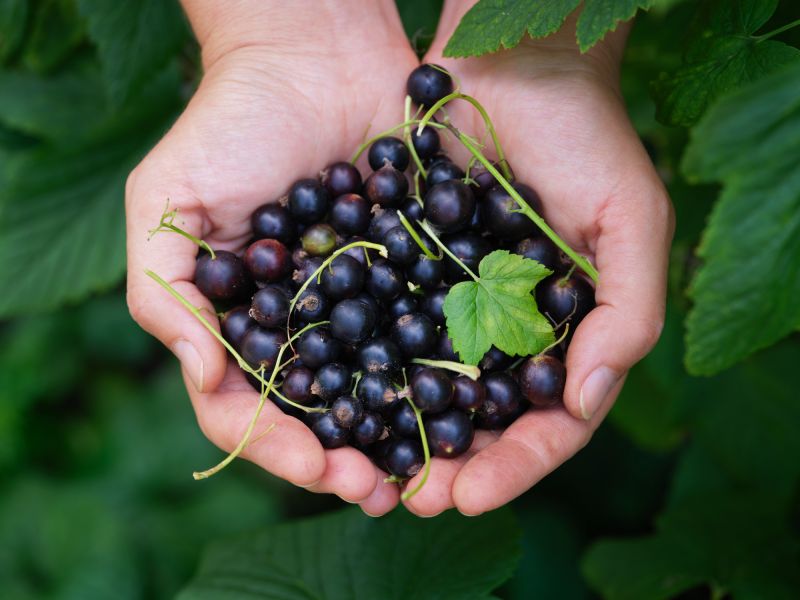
346, 555
722, 54
746, 292
13, 16
492, 24
498, 309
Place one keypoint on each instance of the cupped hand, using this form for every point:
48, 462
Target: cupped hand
291, 90
565, 131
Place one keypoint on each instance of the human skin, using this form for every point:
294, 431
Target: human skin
291, 87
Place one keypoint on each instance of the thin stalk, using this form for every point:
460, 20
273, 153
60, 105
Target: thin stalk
470, 371
429, 230
167, 218
501, 157
390, 131
410, 228
525, 209
409, 142
766, 36
426, 451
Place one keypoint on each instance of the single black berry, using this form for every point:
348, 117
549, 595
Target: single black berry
468, 394
412, 209
425, 272
432, 390
428, 84
330, 434
222, 278
449, 434
267, 260
444, 170
565, 300
235, 324
312, 306
270, 306
470, 248
495, 360
402, 247
541, 380
332, 380
350, 214
542, 250
389, 150
433, 305
341, 178
343, 278
387, 186
273, 221
371, 429
377, 392
449, 205
499, 212
404, 458
260, 347
382, 222
503, 401
404, 304
415, 334
379, 355
297, 384
353, 321
427, 143
308, 201
403, 420
317, 347
347, 411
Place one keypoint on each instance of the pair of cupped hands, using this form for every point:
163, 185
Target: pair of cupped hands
290, 88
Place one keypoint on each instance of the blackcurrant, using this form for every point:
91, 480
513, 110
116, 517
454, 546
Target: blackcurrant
343, 278
319, 240
404, 458
317, 347
402, 247
305, 271
412, 209
330, 434
377, 392
427, 143
470, 248
565, 300
312, 306
308, 201
382, 222
443, 170
260, 347
222, 278
270, 307
384, 280
387, 186
235, 323
360, 253
389, 150
331, 381
297, 384
500, 215
495, 360
370, 429
415, 334
503, 401
341, 178
482, 180
541, 379
432, 390
433, 305
444, 347
379, 355
428, 84
542, 250
273, 221
347, 411
353, 321
404, 304
449, 205
350, 214
403, 421
449, 434
468, 394
267, 260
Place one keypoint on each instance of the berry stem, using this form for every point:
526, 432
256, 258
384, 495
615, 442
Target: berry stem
410, 228
501, 157
557, 342
360, 150
426, 451
166, 223
525, 209
409, 143
470, 371
429, 230
766, 36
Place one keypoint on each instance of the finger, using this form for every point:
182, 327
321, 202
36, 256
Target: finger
632, 249
533, 446
289, 450
349, 474
436, 495
172, 257
383, 498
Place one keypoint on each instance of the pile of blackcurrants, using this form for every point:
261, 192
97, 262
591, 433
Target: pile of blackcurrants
348, 264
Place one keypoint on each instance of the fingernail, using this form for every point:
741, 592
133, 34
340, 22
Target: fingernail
191, 362
310, 485
369, 514
466, 514
430, 516
595, 390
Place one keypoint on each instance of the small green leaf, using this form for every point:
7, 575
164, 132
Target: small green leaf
722, 55
598, 17
135, 39
746, 292
374, 558
491, 24
498, 310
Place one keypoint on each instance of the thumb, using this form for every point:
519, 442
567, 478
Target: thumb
631, 253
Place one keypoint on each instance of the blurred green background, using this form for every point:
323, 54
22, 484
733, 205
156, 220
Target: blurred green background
690, 487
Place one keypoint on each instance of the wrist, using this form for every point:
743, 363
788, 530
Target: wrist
285, 27
556, 54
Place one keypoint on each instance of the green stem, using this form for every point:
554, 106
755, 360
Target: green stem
409, 142
470, 371
525, 209
766, 36
426, 451
429, 230
410, 228
501, 157
167, 217
390, 131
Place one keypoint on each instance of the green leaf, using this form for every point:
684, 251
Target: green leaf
56, 32
601, 16
498, 310
491, 24
135, 39
62, 223
722, 56
745, 293
13, 18
347, 555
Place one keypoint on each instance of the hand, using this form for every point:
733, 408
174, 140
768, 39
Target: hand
286, 91
564, 130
